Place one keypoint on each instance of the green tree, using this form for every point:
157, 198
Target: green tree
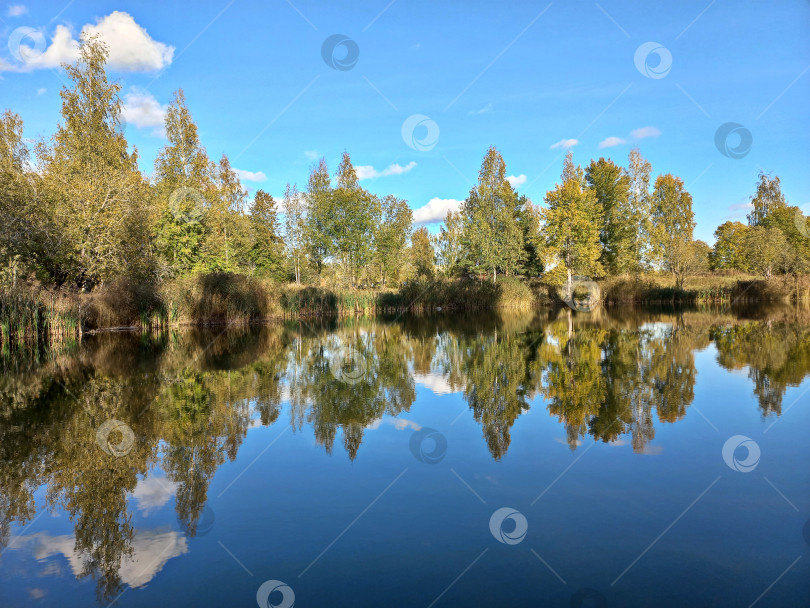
450, 250
529, 219
492, 237
423, 255
391, 237
319, 217
355, 214
572, 219
267, 252
620, 228
183, 180
227, 242
673, 223
294, 228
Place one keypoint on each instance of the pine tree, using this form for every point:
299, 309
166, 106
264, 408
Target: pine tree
318, 233
267, 249
183, 186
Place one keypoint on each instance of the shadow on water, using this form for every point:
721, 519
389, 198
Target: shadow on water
186, 400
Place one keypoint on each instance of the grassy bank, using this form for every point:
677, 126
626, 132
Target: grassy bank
208, 299
723, 288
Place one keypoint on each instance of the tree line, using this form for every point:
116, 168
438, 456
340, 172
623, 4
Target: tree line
79, 212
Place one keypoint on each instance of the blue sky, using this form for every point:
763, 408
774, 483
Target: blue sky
523, 76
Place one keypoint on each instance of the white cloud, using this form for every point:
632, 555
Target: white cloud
152, 493
63, 48
16, 10
150, 552
645, 132
142, 110
611, 141
400, 424
250, 176
435, 211
485, 110
41, 91
131, 48
516, 180
564, 143
311, 154
368, 172
437, 383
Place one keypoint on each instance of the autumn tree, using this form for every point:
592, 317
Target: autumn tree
24, 229
99, 197
572, 219
729, 246
423, 255
673, 223
638, 171
767, 199
766, 249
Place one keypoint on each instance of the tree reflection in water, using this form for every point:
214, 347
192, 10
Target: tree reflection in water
191, 396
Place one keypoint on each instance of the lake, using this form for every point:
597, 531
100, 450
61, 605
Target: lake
543, 458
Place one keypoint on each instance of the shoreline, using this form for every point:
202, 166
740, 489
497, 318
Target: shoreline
218, 300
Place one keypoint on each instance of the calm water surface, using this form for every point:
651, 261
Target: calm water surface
537, 459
